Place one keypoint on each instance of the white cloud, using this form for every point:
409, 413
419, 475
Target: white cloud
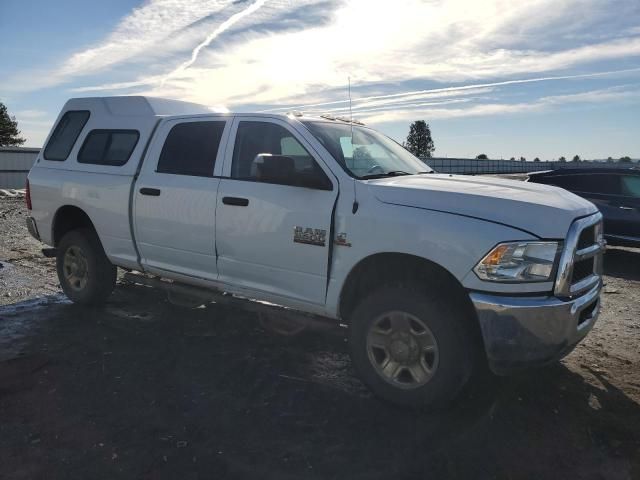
404, 113
395, 98
30, 114
387, 42
142, 30
174, 48
223, 27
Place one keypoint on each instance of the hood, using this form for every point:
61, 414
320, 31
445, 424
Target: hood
543, 210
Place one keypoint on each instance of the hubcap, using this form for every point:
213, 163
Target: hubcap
75, 268
402, 349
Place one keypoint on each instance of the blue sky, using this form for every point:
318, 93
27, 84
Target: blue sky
507, 78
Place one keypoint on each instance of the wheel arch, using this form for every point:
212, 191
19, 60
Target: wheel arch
399, 269
67, 218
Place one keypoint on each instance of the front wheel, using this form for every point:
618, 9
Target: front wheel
411, 348
85, 273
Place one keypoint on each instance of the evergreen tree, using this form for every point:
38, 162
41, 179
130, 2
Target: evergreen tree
9, 133
419, 141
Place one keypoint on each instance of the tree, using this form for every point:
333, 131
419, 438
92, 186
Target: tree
513, 159
9, 133
609, 160
625, 159
522, 159
536, 159
419, 141
482, 156
576, 158
562, 159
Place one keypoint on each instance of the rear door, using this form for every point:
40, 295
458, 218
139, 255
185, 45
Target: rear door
175, 197
274, 212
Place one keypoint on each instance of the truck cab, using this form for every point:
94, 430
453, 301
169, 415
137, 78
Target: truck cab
432, 274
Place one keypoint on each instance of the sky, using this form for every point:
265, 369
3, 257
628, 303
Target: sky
534, 78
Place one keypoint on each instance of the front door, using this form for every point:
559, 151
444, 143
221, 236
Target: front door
274, 213
175, 197
627, 206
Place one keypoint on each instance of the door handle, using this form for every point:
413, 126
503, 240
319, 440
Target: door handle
237, 201
622, 207
153, 192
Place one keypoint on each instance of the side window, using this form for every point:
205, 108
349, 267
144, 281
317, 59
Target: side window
108, 147
268, 153
568, 182
601, 183
65, 135
191, 149
630, 185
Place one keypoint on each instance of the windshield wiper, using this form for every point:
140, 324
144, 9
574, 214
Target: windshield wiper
392, 173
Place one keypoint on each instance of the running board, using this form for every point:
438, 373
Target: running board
207, 296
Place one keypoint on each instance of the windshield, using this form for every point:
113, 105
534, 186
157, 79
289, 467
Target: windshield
366, 154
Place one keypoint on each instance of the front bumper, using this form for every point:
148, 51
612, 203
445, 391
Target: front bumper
521, 332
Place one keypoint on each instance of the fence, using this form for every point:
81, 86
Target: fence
472, 166
15, 163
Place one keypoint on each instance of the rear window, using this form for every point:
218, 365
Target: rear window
108, 147
65, 135
191, 149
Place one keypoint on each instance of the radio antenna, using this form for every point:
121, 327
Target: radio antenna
349, 90
354, 209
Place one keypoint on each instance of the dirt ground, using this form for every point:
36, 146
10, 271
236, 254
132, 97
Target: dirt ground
142, 389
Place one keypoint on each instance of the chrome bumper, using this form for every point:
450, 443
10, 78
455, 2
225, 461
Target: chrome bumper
520, 332
33, 228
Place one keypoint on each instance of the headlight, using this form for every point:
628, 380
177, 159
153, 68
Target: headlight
519, 262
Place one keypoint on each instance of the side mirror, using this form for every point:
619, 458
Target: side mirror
281, 170
274, 168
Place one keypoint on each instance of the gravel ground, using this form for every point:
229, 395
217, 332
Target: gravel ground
141, 389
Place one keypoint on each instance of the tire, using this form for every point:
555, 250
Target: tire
86, 276
422, 361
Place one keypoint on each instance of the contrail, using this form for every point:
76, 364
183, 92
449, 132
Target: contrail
232, 20
453, 89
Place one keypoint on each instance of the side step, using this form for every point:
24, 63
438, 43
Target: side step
204, 295
50, 252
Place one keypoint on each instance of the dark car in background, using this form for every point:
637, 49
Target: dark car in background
615, 191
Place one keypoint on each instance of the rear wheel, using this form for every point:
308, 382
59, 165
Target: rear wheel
84, 271
409, 348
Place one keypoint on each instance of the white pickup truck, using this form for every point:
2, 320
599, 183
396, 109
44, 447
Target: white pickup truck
433, 274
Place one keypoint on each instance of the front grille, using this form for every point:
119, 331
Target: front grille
582, 269
587, 237
581, 261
